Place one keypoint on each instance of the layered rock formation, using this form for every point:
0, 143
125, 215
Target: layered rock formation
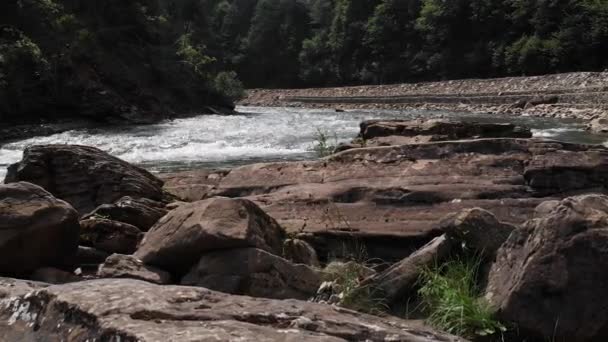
130, 310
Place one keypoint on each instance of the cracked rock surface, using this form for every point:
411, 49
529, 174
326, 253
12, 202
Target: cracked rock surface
132, 310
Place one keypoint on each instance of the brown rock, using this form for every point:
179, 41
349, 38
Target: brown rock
300, 252
83, 176
127, 266
399, 281
139, 212
477, 229
440, 129
391, 199
253, 272
561, 171
549, 276
180, 238
110, 236
132, 310
36, 229
194, 185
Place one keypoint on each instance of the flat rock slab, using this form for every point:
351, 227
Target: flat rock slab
389, 196
131, 310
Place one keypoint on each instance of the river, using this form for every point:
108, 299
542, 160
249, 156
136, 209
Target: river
258, 134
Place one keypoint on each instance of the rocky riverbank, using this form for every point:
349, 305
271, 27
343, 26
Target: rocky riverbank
580, 95
95, 248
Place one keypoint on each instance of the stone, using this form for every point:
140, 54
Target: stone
599, 125
478, 230
441, 129
562, 171
549, 277
300, 252
85, 177
253, 272
11, 288
127, 266
179, 239
36, 229
110, 236
390, 200
192, 186
131, 310
400, 280
139, 212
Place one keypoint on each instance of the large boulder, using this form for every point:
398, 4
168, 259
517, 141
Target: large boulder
36, 229
127, 266
142, 213
180, 238
253, 272
550, 276
479, 230
110, 236
85, 177
131, 310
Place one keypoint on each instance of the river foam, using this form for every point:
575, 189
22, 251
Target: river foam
259, 134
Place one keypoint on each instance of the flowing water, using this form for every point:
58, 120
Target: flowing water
258, 134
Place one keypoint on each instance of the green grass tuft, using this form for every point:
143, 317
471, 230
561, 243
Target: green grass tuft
452, 300
322, 146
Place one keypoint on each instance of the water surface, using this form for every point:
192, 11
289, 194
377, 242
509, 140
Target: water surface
258, 134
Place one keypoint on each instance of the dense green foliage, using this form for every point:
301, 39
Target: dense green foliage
452, 300
109, 60
144, 58
334, 42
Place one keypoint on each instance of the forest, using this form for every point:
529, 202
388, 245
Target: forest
287, 43
134, 58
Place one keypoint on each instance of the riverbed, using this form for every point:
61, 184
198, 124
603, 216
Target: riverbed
258, 134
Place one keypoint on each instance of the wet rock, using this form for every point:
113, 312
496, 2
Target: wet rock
110, 236
300, 252
399, 281
253, 272
11, 288
83, 176
549, 275
180, 238
127, 266
139, 212
479, 230
36, 229
132, 310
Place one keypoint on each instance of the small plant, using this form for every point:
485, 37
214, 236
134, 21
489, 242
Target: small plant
322, 146
452, 300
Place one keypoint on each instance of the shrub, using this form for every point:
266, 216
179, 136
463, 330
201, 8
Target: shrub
227, 83
452, 300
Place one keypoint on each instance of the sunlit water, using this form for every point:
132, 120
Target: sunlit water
258, 134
